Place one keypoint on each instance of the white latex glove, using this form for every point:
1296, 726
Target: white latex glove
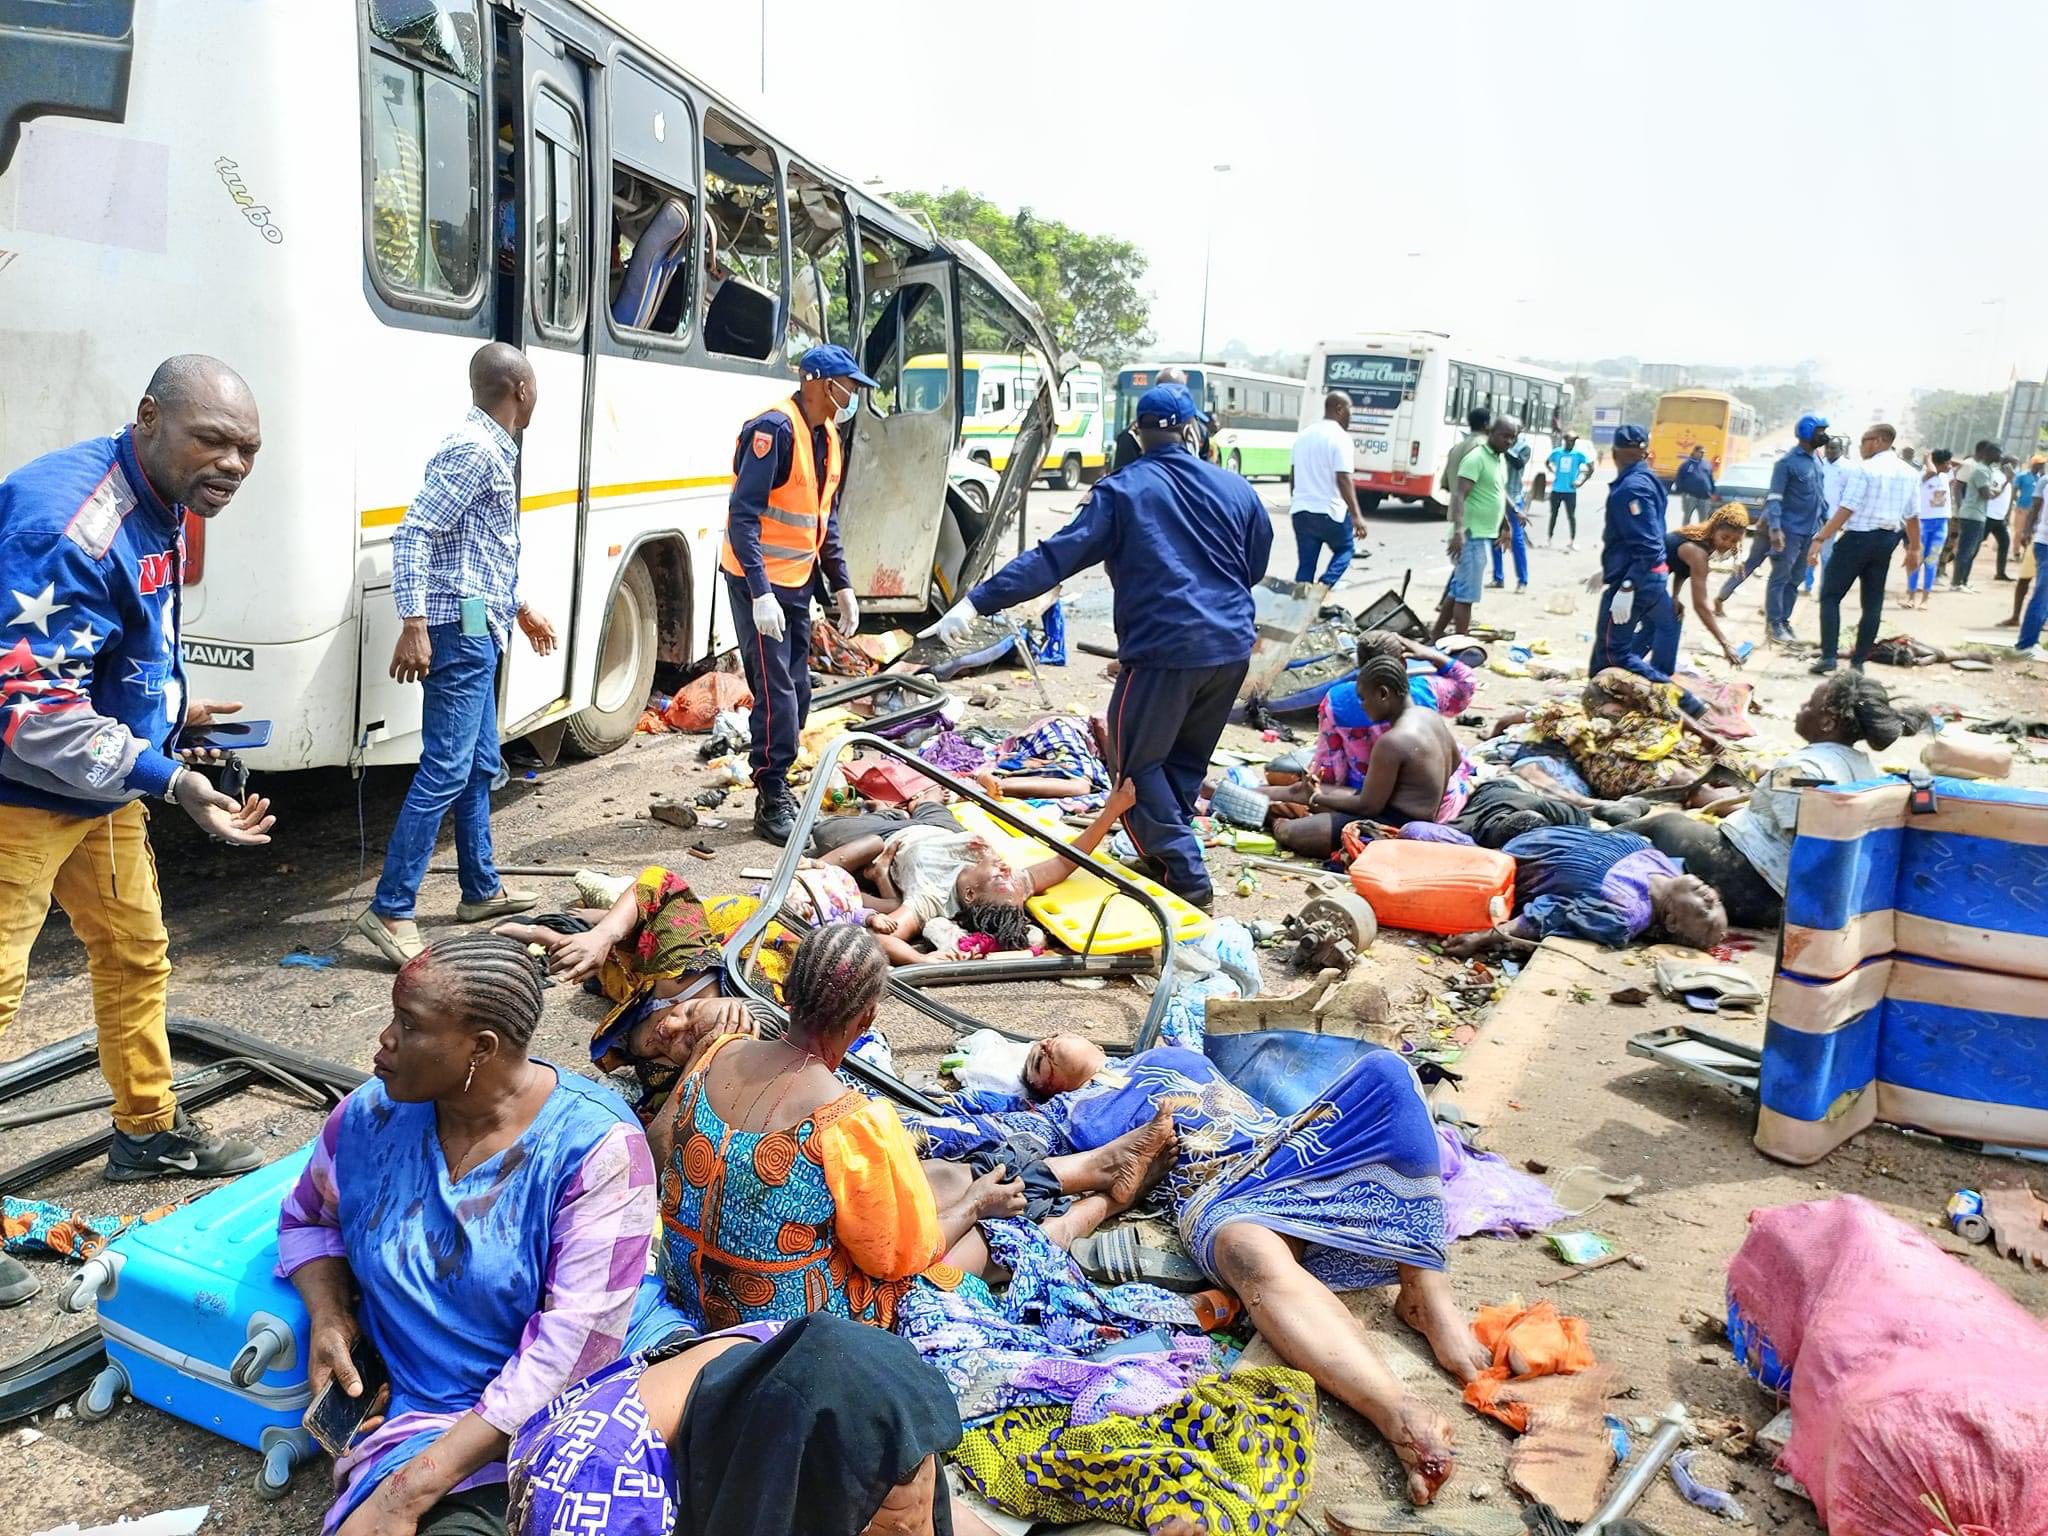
768, 618
953, 629
849, 610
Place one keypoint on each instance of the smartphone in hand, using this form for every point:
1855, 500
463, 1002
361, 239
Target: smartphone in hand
333, 1417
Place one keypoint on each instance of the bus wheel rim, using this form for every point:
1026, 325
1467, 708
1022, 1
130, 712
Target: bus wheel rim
618, 667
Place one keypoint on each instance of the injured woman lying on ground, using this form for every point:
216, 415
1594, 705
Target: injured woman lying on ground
1283, 1213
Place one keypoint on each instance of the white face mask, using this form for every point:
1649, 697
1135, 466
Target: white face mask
845, 413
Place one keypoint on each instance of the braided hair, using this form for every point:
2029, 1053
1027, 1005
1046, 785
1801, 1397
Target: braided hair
1380, 642
1383, 672
1008, 926
838, 975
491, 982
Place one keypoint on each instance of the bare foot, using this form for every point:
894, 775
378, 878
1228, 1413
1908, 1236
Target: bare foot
1423, 1439
1137, 1160
1426, 1305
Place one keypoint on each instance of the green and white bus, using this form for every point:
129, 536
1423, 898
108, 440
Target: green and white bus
996, 388
1255, 414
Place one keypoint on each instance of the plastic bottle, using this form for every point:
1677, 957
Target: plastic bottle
728, 770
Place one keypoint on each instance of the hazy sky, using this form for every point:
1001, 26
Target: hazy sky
1735, 181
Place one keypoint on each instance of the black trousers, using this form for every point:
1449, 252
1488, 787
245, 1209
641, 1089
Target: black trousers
1164, 722
1861, 559
778, 675
1566, 502
478, 1511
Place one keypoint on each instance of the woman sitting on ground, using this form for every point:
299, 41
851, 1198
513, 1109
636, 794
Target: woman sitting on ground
784, 1192
1354, 1201
930, 877
1688, 552
1621, 736
1745, 856
1062, 758
484, 1217
1416, 772
1609, 887
817, 1427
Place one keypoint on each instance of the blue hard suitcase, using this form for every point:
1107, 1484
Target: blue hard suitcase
197, 1323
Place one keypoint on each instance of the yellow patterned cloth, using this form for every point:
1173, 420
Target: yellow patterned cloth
1237, 1454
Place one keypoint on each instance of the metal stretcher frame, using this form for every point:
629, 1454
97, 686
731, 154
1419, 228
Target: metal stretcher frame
232, 1060
930, 696
740, 962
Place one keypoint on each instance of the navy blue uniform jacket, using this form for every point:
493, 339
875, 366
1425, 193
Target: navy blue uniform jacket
1184, 543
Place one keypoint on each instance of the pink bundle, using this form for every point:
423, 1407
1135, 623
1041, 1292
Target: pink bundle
1911, 1374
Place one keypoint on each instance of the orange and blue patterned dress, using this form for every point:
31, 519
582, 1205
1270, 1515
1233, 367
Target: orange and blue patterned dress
832, 1215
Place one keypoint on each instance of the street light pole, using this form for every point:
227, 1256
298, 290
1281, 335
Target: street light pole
1208, 247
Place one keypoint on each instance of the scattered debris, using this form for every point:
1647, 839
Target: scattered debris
1564, 1456
305, 960
1633, 1260
1583, 1189
1579, 1248
2019, 1225
1704, 1495
1965, 1211
1635, 1482
169, 1522
673, 811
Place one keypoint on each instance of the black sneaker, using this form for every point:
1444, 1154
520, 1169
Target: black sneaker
1821, 668
185, 1150
16, 1283
774, 813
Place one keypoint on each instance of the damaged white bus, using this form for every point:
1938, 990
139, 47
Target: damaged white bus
437, 173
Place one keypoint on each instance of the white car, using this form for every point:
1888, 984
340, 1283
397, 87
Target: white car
972, 479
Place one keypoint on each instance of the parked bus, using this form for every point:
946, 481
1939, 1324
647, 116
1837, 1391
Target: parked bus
1686, 418
997, 389
1254, 416
1410, 394
383, 187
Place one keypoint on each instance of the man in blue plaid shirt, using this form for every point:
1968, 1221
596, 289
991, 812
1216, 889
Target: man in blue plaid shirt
455, 577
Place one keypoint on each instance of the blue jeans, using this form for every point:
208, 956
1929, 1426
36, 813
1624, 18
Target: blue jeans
1787, 565
1969, 539
1933, 534
1814, 572
1313, 533
458, 760
1521, 538
1759, 551
2037, 605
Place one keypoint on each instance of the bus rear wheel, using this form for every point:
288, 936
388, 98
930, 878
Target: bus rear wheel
1236, 462
625, 669
1070, 472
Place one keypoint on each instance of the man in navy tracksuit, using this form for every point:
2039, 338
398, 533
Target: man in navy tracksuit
1638, 623
92, 700
1184, 543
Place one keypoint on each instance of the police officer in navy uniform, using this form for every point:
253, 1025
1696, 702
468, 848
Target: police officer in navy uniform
1184, 543
1638, 623
781, 549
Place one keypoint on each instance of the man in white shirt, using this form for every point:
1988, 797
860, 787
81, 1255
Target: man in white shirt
1880, 502
1325, 502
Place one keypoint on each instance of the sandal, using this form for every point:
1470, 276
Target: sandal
1116, 1257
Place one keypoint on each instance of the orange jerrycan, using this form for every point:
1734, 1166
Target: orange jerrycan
1434, 887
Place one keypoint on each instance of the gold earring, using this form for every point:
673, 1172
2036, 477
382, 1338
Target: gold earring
470, 1078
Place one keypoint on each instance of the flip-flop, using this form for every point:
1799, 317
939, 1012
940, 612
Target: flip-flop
1116, 1257
396, 947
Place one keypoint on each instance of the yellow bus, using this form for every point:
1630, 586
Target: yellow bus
1686, 418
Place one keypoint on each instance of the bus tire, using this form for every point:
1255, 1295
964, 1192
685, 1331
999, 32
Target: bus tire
1236, 462
626, 656
1070, 472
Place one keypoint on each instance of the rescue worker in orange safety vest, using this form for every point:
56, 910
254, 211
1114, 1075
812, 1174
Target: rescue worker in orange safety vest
781, 548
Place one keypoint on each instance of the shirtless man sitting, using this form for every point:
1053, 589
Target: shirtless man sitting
1417, 771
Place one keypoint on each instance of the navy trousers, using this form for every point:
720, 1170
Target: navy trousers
1164, 722
778, 675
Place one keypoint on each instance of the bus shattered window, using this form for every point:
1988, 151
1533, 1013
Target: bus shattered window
743, 242
820, 307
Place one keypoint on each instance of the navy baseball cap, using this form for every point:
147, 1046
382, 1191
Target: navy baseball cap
1170, 405
1808, 425
832, 362
1631, 436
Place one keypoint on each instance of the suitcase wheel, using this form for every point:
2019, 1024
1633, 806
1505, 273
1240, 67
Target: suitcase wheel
98, 1399
276, 1473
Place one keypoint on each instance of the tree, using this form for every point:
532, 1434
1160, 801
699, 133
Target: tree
1948, 418
1086, 285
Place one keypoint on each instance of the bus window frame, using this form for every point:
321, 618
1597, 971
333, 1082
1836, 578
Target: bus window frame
679, 345
792, 165
470, 315
570, 337
776, 363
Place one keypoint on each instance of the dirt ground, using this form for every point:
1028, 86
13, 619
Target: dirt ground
1548, 1073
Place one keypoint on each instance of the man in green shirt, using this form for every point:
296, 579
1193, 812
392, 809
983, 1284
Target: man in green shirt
1478, 518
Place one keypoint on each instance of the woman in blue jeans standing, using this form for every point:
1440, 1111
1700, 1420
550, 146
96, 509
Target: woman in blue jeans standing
455, 578
2028, 523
